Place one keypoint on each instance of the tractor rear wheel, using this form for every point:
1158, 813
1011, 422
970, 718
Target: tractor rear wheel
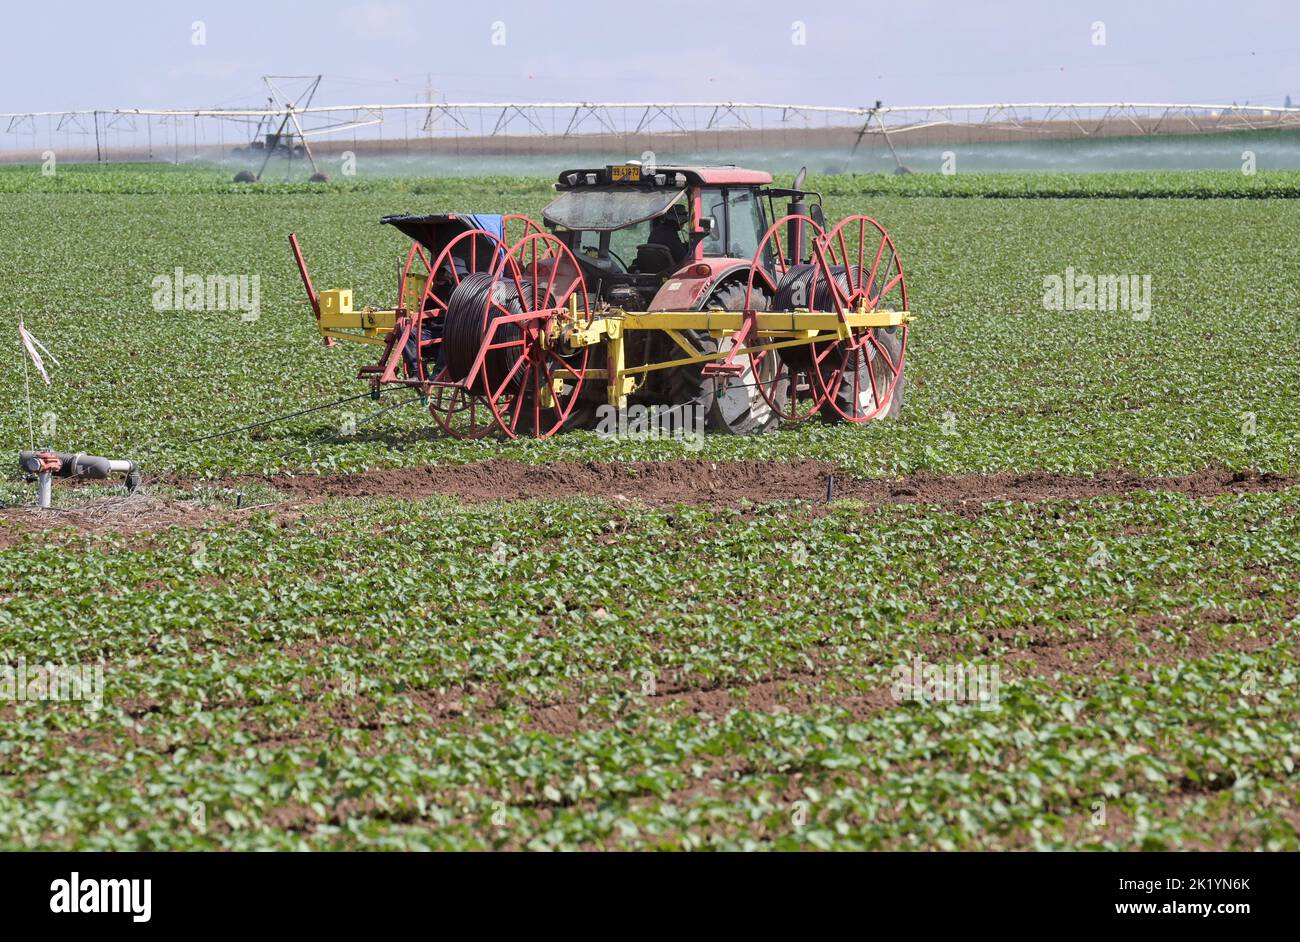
729, 404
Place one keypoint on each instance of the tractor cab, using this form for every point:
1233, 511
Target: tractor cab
633, 227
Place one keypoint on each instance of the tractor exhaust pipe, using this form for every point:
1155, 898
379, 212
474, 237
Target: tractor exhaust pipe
795, 228
47, 465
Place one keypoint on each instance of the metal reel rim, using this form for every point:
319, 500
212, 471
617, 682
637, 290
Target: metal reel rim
773, 233
868, 277
769, 390
537, 359
862, 342
442, 386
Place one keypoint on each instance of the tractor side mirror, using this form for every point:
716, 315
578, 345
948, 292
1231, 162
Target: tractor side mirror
817, 214
708, 225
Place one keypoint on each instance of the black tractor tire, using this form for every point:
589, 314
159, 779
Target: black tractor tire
862, 361
584, 417
707, 396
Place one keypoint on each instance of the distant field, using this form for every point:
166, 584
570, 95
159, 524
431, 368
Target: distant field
681, 658
199, 178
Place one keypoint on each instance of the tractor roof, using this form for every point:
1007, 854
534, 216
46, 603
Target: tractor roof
712, 176
725, 175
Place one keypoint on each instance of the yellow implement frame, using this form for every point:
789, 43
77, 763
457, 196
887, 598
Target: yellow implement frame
773, 330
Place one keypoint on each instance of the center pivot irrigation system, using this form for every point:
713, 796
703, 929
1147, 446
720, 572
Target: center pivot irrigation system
662, 287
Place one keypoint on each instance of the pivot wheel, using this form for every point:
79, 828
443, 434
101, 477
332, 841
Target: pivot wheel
470, 256
515, 227
871, 379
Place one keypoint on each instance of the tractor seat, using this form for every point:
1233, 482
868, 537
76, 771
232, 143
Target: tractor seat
653, 259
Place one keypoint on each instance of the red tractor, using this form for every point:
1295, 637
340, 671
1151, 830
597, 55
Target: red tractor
670, 287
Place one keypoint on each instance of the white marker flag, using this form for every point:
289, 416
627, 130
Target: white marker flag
32, 345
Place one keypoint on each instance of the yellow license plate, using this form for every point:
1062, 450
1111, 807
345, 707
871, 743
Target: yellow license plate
630, 173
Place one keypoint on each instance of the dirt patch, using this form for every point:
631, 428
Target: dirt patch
726, 483
138, 513
656, 483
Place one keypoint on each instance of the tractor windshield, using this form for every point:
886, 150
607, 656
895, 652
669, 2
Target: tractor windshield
605, 209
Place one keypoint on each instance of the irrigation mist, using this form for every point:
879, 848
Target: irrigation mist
1271, 150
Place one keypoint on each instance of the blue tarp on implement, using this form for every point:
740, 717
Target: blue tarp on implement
435, 230
490, 222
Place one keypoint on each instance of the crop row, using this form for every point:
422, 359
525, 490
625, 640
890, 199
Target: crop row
388, 673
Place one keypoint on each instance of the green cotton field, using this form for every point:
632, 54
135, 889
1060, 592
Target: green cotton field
392, 640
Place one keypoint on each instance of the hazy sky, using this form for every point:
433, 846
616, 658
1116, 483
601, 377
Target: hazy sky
141, 53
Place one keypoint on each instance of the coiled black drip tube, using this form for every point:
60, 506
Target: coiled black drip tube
796, 288
804, 286
468, 321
